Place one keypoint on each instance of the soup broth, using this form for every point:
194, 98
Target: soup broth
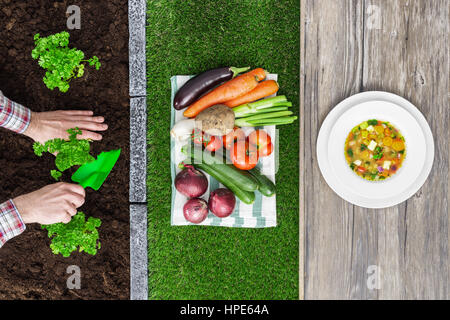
375, 150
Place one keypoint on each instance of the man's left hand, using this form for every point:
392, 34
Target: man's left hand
45, 126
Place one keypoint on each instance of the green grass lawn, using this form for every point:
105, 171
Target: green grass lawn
188, 37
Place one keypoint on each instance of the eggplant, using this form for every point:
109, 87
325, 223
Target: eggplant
202, 83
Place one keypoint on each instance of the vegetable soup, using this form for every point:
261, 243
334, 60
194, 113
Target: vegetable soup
375, 150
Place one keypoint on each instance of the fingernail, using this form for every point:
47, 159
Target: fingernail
105, 126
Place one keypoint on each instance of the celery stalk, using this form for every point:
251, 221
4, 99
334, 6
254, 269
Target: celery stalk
242, 123
246, 110
272, 121
271, 110
268, 102
269, 115
283, 104
254, 107
265, 122
242, 111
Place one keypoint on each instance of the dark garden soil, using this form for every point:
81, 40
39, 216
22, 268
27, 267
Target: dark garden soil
28, 269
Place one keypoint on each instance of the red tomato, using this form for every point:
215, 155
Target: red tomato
236, 135
214, 144
197, 136
262, 141
361, 169
211, 143
244, 155
266, 151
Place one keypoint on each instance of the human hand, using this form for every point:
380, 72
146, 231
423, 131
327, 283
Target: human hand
45, 126
54, 203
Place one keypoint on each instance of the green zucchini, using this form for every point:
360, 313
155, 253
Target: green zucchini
247, 197
240, 178
266, 186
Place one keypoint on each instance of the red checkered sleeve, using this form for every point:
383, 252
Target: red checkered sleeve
11, 223
13, 116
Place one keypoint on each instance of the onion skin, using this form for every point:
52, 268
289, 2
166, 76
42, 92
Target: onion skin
191, 182
222, 202
195, 210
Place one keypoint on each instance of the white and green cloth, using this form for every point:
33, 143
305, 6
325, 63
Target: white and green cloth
261, 214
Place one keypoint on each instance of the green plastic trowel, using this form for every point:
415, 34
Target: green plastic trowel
93, 174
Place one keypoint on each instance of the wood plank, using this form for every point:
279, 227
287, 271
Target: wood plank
409, 56
333, 71
345, 52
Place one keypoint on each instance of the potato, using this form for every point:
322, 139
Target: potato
217, 120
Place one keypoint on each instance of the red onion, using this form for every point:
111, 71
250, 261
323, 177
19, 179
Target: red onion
221, 202
195, 210
191, 182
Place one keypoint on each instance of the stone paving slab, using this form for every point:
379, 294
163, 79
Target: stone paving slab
138, 252
138, 150
136, 25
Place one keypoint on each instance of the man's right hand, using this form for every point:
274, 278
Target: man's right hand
52, 204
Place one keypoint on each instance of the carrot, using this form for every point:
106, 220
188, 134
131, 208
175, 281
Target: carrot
260, 73
262, 90
228, 91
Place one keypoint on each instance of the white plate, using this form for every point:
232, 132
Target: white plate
402, 115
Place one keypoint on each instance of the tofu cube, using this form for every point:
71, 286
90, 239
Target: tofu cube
386, 165
372, 145
357, 162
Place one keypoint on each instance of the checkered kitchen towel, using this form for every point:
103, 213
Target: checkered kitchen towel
261, 214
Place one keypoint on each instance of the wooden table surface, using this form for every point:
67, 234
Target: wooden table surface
348, 47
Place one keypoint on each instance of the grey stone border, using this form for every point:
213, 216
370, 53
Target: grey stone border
138, 151
138, 252
136, 27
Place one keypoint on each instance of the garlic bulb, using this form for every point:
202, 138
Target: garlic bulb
182, 130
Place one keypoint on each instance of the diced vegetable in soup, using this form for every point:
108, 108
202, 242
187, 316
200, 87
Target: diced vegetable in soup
375, 150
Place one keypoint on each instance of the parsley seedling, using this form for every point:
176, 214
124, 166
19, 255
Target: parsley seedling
77, 234
70, 152
61, 62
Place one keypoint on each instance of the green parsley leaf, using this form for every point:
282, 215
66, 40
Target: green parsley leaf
77, 234
70, 152
378, 156
61, 62
56, 174
350, 152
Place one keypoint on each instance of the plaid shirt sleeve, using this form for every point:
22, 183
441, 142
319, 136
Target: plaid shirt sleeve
11, 223
13, 116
